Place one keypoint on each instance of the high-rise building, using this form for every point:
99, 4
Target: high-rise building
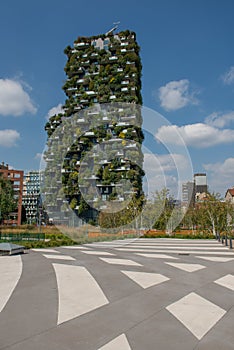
188, 194
31, 196
16, 178
100, 69
200, 183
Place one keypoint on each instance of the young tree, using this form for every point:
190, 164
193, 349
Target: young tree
212, 214
163, 206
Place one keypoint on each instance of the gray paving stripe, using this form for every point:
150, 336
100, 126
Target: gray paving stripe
162, 332
32, 307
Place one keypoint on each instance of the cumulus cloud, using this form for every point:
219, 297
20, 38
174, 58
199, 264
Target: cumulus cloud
38, 156
220, 175
14, 100
162, 171
9, 138
226, 168
163, 162
220, 120
228, 77
55, 110
175, 95
197, 135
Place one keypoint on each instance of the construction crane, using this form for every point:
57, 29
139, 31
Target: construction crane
116, 24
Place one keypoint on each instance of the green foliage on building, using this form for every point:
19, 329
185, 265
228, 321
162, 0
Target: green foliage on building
101, 69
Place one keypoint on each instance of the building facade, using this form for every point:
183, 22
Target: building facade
188, 193
229, 195
103, 69
31, 196
200, 186
16, 178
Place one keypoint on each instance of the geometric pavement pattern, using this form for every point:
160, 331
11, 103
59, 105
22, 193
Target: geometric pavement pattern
128, 294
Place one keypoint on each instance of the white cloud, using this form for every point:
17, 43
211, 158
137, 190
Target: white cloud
55, 110
9, 138
226, 168
220, 175
163, 162
175, 95
197, 135
38, 156
220, 120
228, 77
14, 100
161, 170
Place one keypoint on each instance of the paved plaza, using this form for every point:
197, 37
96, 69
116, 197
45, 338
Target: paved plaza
138, 294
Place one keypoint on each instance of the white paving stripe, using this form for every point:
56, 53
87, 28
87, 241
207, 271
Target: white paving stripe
10, 272
120, 261
215, 258
119, 343
146, 279
58, 257
157, 256
93, 252
191, 243
226, 281
78, 292
176, 240
44, 250
169, 247
186, 267
197, 314
173, 251
74, 247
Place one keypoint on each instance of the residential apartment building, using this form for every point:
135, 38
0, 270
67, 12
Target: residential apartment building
196, 190
16, 178
100, 69
200, 186
229, 195
31, 196
188, 193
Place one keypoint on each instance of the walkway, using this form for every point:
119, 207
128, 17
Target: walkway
141, 294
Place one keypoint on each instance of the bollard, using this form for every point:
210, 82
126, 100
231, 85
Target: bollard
222, 240
230, 245
226, 241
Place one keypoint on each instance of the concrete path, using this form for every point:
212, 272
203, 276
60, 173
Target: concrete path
141, 294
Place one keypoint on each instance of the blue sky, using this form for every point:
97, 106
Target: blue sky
187, 54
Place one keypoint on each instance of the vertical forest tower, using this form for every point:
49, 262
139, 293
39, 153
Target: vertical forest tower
103, 71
